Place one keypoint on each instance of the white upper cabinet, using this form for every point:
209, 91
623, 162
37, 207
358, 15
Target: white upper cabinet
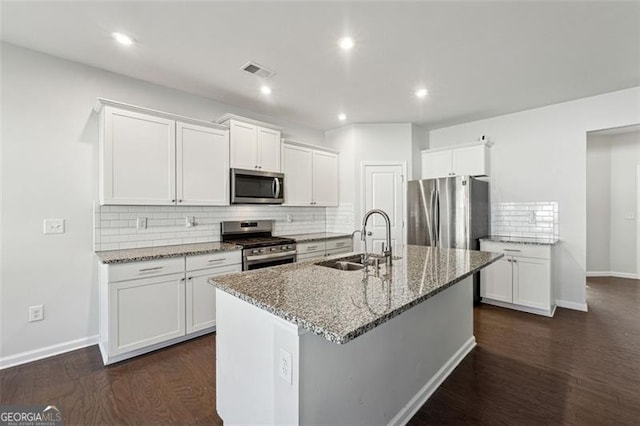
310, 176
138, 158
154, 158
325, 178
244, 147
469, 160
202, 165
297, 162
254, 147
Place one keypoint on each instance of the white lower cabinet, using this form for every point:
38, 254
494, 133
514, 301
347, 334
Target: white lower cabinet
319, 249
521, 280
152, 304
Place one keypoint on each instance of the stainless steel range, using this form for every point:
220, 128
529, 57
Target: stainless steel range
260, 249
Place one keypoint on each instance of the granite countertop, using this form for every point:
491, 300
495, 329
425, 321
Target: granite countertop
540, 241
342, 305
305, 238
162, 252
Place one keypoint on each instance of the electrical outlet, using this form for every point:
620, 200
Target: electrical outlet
289, 218
285, 366
53, 226
190, 221
36, 313
141, 223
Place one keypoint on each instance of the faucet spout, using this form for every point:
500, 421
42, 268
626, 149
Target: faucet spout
386, 250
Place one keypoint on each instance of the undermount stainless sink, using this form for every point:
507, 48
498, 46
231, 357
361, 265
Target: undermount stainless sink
350, 263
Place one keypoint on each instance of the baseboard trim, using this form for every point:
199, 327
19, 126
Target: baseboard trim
37, 354
572, 305
544, 312
598, 274
412, 407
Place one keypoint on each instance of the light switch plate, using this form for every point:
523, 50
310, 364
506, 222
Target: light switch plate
53, 226
141, 223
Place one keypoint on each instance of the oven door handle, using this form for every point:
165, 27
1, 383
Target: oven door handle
283, 255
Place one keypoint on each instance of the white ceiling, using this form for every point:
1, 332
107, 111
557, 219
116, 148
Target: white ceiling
478, 59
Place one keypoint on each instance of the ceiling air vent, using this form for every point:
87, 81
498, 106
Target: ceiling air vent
257, 69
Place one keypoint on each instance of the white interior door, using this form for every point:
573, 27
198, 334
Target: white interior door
383, 188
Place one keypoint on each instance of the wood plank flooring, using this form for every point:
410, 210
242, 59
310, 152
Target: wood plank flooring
577, 368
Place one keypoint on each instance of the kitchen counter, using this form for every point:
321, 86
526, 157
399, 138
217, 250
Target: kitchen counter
342, 305
306, 238
281, 356
161, 252
521, 240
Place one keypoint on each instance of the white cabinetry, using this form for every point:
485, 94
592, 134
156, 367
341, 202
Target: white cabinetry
152, 304
324, 247
253, 147
521, 280
468, 160
153, 158
310, 176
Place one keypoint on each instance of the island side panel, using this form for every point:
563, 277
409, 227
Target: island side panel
385, 375
244, 362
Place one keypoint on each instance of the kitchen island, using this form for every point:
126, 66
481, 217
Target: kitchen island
308, 344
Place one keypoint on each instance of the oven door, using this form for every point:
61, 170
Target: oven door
250, 262
255, 187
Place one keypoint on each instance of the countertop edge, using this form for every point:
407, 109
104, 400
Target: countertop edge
314, 237
342, 339
178, 253
517, 240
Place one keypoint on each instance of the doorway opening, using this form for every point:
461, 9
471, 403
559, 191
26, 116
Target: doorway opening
613, 203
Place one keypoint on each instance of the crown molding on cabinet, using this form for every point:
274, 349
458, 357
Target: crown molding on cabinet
486, 143
308, 145
101, 102
228, 117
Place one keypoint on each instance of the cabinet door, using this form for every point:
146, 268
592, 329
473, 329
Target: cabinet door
436, 164
325, 178
470, 161
297, 163
531, 282
201, 297
138, 159
496, 281
202, 165
268, 150
243, 145
145, 312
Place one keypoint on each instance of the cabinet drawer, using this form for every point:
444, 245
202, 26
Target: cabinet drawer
343, 243
513, 249
319, 255
214, 260
150, 268
339, 251
311, 247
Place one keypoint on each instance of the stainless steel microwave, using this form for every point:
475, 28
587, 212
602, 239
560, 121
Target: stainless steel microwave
256, 187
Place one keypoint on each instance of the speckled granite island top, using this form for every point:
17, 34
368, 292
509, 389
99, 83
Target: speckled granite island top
161, 252
306, 238
521, 240
342, 305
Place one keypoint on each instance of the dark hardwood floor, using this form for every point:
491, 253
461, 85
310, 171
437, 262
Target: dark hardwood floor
577, 368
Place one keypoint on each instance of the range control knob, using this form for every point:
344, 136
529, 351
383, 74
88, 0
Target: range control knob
274, 248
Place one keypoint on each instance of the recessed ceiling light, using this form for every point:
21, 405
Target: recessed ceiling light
266, 90
342, 116
421, 93
346, 43
123, 39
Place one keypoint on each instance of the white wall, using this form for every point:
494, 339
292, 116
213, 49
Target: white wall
540, 154
598, 204
49, 169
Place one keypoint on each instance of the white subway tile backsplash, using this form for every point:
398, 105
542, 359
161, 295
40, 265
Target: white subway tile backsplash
115, 226
533, 219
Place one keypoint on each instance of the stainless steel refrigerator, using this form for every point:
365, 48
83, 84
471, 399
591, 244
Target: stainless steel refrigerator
450, 212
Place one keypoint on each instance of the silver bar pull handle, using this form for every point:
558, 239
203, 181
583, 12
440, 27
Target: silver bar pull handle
217, 260
514, 250
157, 268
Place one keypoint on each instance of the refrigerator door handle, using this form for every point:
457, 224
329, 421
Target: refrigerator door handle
437, 214
434, 219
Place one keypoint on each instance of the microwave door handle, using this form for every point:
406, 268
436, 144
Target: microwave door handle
276, 191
